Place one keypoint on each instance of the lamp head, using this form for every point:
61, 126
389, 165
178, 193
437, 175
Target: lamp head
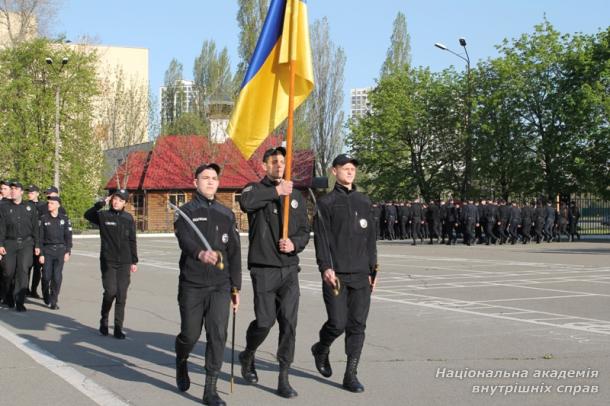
462, 42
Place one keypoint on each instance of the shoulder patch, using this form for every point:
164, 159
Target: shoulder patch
247, 189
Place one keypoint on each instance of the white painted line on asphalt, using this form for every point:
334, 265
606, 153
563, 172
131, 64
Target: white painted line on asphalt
82, 383
534, 298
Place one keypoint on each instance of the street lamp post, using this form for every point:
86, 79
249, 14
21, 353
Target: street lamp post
466, 184
64, 62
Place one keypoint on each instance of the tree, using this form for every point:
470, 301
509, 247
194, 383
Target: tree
323, 115
250, 18
24, 19
213, 79
172, 99
409, 144
27, 120
399, 52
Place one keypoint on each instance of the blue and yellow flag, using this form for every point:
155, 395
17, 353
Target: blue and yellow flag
262, 104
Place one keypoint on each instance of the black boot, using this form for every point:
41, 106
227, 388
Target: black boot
320, 355
104, 326
183, 382
350, 380
210, 396
283, 386
118, 333
248, 372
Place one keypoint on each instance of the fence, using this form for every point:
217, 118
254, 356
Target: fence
594, 215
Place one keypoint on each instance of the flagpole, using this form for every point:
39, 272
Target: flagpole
288, 169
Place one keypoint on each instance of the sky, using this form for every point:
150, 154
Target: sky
177, 29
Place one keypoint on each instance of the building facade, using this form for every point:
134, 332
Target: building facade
359, 102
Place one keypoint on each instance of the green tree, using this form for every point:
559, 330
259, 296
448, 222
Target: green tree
173, 97
399, 53
250, 18
213, 79
323, 115
27, 120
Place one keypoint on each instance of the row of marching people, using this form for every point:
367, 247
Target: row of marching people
476, 222
36, 240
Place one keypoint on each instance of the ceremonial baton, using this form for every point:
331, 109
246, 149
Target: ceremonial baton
233, 292
188, 220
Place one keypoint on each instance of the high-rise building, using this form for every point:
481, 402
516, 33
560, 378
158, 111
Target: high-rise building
359, 102
176, 100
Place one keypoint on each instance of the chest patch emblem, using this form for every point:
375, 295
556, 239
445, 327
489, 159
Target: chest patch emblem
28, 208
294, 204
62, 222
110, 223
197, 219
225, 238
364, 223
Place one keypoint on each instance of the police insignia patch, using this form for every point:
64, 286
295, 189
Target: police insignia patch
61, 222
294, 203
28, 208
225, 238
363, 223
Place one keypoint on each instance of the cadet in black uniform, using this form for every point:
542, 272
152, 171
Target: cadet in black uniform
573, 216
19, 240
417, 214
118, 256
274, 264
433, 215
549, 222
377, 211
205, 291
470, 219
527, 215
5, 197
35, 272
390, 219
346, 254
491, 222
514, 222
56, 242
539, 214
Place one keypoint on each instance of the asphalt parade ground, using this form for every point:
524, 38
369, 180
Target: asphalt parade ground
449, 325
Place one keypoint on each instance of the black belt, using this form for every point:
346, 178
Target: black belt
19, 239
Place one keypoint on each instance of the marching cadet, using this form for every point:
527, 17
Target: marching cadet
470, 218
56, 242
274, 265
19, 239
210, 280
514, 222
118, 256
503, 215
377, 211
573, 216
417, 214
390, 219
433, 216
549, 221
35, 272
346, 254
527, 216
539, 215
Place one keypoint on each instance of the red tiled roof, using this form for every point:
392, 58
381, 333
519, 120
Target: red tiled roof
174, 159
132, 171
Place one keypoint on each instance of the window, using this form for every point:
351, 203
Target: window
177, 199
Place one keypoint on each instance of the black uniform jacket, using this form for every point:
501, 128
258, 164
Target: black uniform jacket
118, 234
265, 210
56, 230
19, 222
344, 232
217, 224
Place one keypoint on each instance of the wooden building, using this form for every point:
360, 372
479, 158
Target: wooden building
165, 174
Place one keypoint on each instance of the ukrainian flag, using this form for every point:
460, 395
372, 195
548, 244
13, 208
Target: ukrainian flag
262, 104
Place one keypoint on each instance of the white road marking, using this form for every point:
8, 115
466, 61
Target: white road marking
82, 383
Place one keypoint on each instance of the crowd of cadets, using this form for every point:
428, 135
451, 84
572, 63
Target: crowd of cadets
35, 241
481, 222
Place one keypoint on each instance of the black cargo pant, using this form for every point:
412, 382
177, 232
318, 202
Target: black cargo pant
276, 296
115, 280
490, 235
16, 262
207, 307
347, 312
52, 274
